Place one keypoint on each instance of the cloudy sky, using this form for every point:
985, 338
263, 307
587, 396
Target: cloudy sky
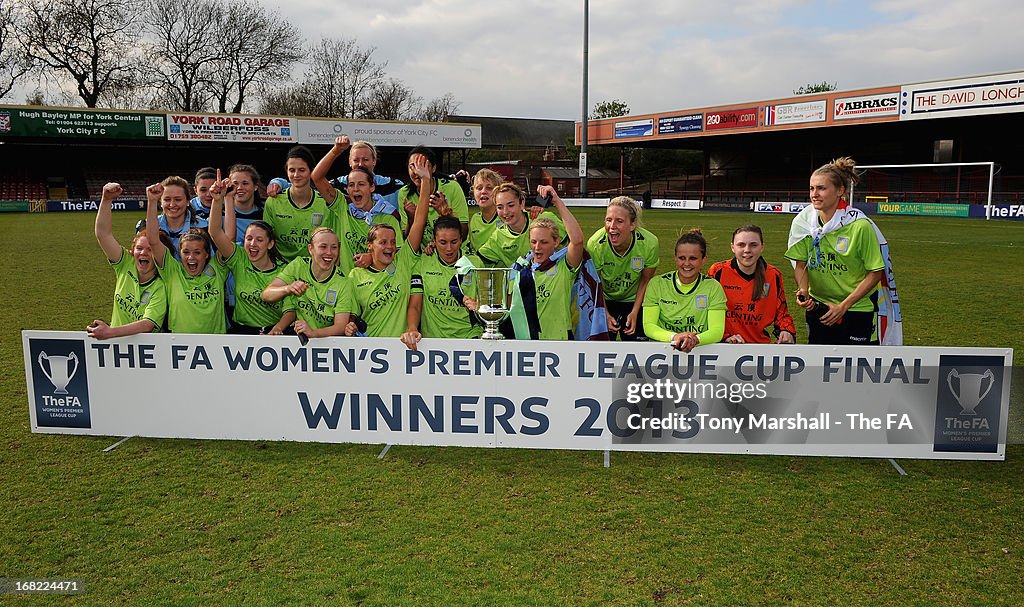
523, 58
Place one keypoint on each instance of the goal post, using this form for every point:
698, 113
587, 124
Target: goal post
980, 166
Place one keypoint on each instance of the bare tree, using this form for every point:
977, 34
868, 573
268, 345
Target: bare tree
338, 78
35, 98
391, 100
183, 51
259, 49
92, 42
14, 63
295, 100
439, 109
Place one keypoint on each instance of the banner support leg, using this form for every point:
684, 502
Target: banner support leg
898, 467
607, 458
117, 444
384, 451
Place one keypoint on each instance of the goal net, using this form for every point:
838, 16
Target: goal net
940, 189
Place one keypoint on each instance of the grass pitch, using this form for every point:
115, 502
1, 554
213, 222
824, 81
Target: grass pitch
182, 522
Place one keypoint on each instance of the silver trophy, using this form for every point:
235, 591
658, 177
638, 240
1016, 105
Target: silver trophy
970, 393
491, 295
62, 370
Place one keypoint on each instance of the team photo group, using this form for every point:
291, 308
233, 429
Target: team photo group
368, 255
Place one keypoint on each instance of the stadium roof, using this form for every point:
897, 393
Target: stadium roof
962, 97
535, 132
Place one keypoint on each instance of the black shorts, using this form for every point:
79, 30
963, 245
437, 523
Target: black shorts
854, 329
620, 310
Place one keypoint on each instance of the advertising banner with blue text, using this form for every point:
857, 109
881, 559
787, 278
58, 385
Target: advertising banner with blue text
906, 402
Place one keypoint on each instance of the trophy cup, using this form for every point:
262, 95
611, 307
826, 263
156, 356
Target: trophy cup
491, 295
62, 370
970, 394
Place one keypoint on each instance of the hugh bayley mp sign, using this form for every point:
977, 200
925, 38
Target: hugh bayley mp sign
799, 400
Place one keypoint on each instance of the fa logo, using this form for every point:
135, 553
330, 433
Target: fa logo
842, 244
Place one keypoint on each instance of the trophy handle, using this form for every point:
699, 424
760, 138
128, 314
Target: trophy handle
991, 382
42, 357
74, 358
949, 380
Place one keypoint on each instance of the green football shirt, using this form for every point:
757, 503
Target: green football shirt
250, 309
620, 274
554, 292
292, 225
684, 308
195, 304
505, 246
354, 231
443, 315
452, 192
848, 254
322, 300
479, 232
133, 300
382, 296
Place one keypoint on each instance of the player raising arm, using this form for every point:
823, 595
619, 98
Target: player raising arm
195, 285
140, 300
254, 264
382, 290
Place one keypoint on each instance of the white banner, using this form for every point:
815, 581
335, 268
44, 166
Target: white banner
586, 202
678, 205
778, 207
795, 113
866, 106
801, 400
995, 94
226, 127
394, 134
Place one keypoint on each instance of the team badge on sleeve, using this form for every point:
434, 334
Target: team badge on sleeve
701, 302
317, 220
842, 244
332, 297
636, 264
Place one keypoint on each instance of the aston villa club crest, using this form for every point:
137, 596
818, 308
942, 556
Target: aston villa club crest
701, 301
317, 219
209, 271
636, 264
144, 297
842, 244
765, 290
332, 297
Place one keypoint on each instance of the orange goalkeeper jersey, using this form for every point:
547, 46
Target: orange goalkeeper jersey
745, 317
